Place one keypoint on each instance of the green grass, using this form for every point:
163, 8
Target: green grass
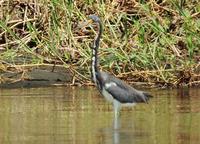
156, 43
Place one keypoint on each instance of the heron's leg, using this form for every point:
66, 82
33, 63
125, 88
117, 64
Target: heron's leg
116, 123
117, 107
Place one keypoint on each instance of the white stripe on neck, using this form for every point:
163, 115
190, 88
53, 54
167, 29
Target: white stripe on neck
93, 67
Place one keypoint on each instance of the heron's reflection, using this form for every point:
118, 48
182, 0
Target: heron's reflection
124, 130
116, 128
122, 135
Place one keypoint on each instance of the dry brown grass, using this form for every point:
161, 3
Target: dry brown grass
155, 42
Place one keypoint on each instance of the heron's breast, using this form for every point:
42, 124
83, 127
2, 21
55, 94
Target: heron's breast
107, 96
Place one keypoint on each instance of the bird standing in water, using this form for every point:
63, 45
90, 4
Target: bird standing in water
113, 89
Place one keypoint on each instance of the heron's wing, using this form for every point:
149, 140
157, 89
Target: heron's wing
120, 90
124, 93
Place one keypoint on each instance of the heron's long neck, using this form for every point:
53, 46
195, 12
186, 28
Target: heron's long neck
95, 48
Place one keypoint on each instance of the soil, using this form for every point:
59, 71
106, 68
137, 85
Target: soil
35, 77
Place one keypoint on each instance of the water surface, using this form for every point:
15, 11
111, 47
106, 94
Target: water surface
79, 115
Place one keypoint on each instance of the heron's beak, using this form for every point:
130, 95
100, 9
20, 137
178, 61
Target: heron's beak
85, 24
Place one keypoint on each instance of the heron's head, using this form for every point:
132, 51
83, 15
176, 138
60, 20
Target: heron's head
94, 18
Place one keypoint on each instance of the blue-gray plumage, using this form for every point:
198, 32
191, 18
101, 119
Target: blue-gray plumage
121, 91
112, 88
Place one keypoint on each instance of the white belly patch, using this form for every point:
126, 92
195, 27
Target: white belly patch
128, 104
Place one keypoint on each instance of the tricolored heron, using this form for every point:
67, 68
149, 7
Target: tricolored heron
112, 88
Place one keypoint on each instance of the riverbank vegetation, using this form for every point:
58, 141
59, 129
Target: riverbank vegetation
154, 42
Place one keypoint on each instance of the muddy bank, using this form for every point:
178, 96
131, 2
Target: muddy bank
49, 75
35, 77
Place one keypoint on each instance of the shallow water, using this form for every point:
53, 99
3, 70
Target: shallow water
61, 115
